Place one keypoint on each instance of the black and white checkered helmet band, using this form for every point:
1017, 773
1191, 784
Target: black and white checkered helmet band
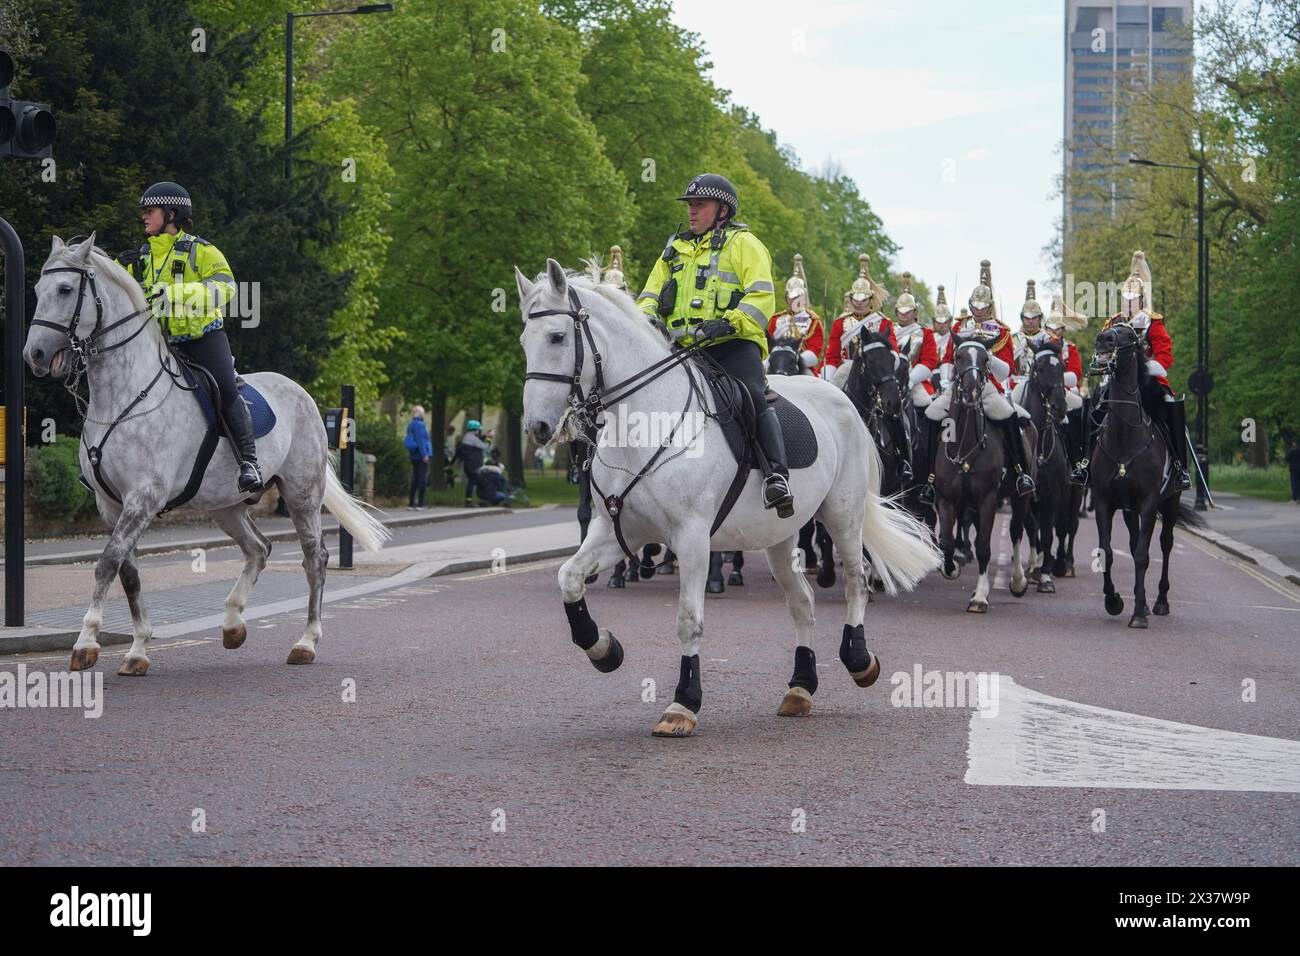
710, 192
147, 200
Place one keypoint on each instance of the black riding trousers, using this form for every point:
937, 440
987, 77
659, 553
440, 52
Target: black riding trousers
212, 351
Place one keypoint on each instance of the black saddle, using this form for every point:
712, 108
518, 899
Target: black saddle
738, 427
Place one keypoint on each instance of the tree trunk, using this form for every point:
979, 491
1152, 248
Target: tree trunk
514, 445
438, 438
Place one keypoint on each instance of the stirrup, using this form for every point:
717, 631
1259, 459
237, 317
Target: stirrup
1181, 477
927, 494
1079, 474
1024, 484
776, 494
905, 470
250, 477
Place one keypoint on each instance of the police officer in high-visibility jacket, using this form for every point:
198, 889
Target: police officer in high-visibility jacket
188, 282
713, 284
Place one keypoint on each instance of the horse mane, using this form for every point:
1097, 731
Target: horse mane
621, 300
104, 264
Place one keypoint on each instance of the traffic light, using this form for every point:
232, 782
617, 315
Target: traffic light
26, 129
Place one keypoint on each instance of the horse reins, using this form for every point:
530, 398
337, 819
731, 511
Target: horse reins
978, 407
1144, 421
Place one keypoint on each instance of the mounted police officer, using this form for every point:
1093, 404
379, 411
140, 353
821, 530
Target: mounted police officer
188, 281
713, 284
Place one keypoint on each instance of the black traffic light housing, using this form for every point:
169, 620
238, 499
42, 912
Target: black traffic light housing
26, 129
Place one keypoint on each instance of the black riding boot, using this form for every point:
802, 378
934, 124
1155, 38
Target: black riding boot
1076, 426
240, 424
902, 448
1176, 426
1010, 428
932, 431
776, 488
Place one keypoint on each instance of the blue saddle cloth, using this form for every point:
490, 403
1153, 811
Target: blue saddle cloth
262, 413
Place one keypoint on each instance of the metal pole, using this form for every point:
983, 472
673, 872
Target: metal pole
288, 93
1202, 432
15, 407
347, 461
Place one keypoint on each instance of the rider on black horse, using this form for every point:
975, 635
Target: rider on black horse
713, 284
1166, 410
998, 407
188, 282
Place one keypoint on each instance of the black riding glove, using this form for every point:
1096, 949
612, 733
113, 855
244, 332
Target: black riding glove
714, 329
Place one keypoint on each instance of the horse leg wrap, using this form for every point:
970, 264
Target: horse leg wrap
582, 628
805, 669
853, 649
688, 693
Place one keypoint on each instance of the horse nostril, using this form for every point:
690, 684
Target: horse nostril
38, 354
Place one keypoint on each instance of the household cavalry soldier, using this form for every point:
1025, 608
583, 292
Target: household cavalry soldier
713, 285
1135, 297
614, 271
188, 283
799, 325
942, 335
1061, 319
1031, 325
865, 300
915, 343
997, 406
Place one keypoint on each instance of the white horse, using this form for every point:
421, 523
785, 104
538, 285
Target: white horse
87, 305
582, 335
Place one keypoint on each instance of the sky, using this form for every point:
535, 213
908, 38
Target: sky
947, 113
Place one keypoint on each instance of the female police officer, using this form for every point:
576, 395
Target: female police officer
189, 282
713, 284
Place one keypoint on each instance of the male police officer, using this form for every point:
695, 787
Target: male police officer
713, 284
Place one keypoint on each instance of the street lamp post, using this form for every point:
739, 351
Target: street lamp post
288, 66
1201, 381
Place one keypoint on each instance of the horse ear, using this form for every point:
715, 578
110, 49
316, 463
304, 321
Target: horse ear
555, 272
84, 250
56, 245
525, 285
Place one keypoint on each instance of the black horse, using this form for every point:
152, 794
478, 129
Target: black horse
1132, 471
971, 471
1044, 398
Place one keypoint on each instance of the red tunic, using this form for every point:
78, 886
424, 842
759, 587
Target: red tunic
812, 340
835, 351
1072, 361
928, 356
1004, 349
1159, 345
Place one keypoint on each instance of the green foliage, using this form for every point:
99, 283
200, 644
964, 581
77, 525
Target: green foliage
52, 471
376, 436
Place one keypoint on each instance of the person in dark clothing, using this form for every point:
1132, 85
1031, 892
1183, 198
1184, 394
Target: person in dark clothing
470, 454
1293, 462
493, 489
420, 449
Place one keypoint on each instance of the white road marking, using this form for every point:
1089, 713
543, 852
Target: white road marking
1034, 740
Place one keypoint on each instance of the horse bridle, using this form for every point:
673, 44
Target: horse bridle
1046, 398
978, 407
84, 348
1111, 369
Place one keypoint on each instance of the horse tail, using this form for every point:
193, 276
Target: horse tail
368, 531
903, 550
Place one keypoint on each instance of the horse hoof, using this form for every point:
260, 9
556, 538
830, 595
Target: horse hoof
867, 677
301, 655
134, 667
735, 580
613, 657
1137, 620
956, 572
83, 658
1046, 587
1021, 592
665, 568
647, 571
977, 607
675, 723
1114, 605
616, 581
715, 587
233, 637
826, 579
1068, 572
1161, 609
797, 703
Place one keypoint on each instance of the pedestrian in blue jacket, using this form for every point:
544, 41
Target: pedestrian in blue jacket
420, 449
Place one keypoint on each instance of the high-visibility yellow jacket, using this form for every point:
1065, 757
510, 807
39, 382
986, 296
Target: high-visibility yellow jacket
194, 278
734, 282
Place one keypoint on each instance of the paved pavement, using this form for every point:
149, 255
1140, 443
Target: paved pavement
1271, 526
450, 720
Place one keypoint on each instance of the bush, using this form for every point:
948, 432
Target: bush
376, 436
55, 491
